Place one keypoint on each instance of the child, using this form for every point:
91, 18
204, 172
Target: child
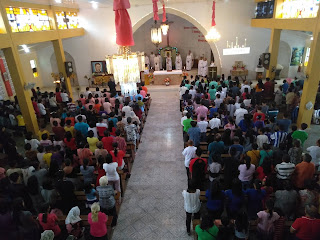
57, 141
266, 219
69, 127
301, 134
43, 131
295, 152
91, 195
47, 156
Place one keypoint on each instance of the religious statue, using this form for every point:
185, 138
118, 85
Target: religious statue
178, 62
152, 59
189, 61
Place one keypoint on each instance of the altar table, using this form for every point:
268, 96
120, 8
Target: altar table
175, 76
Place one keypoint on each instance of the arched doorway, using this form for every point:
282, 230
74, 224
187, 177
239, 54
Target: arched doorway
69, 58
190, 19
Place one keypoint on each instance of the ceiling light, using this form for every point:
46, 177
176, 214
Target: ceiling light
25, 48
94, 4
311, 38
58, 1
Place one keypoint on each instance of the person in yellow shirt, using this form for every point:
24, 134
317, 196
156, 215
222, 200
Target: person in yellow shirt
42, 131
47, 156
21, 123
92, 141
69, 127
254, 154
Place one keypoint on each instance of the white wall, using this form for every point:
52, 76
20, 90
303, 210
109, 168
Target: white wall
233, 20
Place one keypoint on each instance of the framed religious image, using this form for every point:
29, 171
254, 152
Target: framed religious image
168, 54
98, 67
238, 64
296, 57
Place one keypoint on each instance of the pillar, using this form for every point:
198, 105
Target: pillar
310, 86
14, 64
61, 59
274, 50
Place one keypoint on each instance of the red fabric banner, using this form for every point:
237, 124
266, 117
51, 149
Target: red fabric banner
155, 10
6, 82
123, 23
164, 17
213, 14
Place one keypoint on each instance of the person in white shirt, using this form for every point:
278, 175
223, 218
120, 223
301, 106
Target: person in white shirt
126, 109
262, 138
97, 92
314, 152
64, 96
87, 92
184, 117
245, 85
32, 141
215, 122
182, 90
239, 113
42, 108
203, 129
192, 205
111, 172
218, 100
189, 153
192, 91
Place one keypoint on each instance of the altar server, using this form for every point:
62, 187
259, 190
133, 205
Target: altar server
178, 62
204, 68
152, 59
157, 63
189, 62
168, 63
200, 63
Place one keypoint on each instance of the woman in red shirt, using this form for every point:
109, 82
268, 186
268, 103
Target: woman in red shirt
70, 142
98, 222
111, 128
265, 169
49, 221
107, 141
117, 155
101, 171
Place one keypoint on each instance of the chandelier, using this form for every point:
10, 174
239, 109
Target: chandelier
125, 67
164, 25
164, 28
156, 36
213, 35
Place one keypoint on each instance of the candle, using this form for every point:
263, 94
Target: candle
245, 42
231, 44
236, 41
227, 44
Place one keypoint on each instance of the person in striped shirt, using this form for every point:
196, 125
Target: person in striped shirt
279, 136
284, 170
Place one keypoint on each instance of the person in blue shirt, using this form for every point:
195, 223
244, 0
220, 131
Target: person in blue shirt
285, 122
216, 147
285, 86
235, 198
194, 133
246, 123
113, 119
138, 95
255, 198
215, 197
81, 126
212, 110
236, 144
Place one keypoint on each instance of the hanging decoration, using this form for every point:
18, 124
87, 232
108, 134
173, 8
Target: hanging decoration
155, 10
164, 25
156, 36
125, 66
213, 35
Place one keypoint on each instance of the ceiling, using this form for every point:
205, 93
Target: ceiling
107, 3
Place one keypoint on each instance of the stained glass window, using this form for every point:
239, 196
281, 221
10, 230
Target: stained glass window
67, 20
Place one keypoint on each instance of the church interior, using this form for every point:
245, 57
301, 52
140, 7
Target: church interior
159, 119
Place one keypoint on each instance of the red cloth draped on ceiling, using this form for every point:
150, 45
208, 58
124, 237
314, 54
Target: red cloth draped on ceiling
123, 23
155, 10
164, 16
213, 14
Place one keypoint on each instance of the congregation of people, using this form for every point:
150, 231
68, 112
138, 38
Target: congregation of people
250, 174
67, 181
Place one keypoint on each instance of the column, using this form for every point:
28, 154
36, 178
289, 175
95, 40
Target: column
14, 64
273, 50
61, 59
310, 86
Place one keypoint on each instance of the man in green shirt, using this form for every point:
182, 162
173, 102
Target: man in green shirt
186, 125
301, 134
207, 230
214, 83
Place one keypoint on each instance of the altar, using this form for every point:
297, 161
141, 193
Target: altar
175, 76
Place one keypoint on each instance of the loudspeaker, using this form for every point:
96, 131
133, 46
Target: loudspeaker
266, 60
69, 68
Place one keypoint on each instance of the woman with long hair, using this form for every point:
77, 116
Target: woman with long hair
265, 169
111, 128
207, 229
235, 198
87, 172
258, 91
246, 172
117, 155
241, 225
34, 193
98, 223
215, 203
266, 219
49, 221
256, 196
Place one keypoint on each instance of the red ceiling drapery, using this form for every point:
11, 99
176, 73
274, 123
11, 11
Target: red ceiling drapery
123, 23
155, 10
213, 14
164, 16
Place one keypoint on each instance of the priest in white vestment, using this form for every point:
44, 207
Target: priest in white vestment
157, 63
191, 58
168, 63
152, 59
146, 60
178, 62
204, 69
200, 63
189, 62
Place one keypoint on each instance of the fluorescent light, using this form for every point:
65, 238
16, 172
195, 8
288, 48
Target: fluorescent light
94, 4
58, 1
236, 51
25, 48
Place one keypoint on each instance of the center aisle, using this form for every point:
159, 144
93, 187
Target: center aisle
152, 206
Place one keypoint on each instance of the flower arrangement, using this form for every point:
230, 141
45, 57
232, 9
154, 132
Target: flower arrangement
150, 76
185, 74
167, 80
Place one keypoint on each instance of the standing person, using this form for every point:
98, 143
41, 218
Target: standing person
111, 172
246, 172
301, 134
200, 65
189, 153
131, 130
241, 225
107, 200
203, 129
314, 152
303, 171
295, 152
194, 133
255, 199
189, 61
308, 226
239, 113
279, 137
207, 229
49, 221
98, 223
73, 223
81, 126
178, 62
266, 219
235, 198
201, 111
284, 169
168, 63
216, 198
157, 63
259, 91
287, 200
268, 93
192, 205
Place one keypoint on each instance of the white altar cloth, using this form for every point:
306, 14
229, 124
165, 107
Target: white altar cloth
164, 72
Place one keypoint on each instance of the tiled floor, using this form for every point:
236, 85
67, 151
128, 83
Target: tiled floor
152, 206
